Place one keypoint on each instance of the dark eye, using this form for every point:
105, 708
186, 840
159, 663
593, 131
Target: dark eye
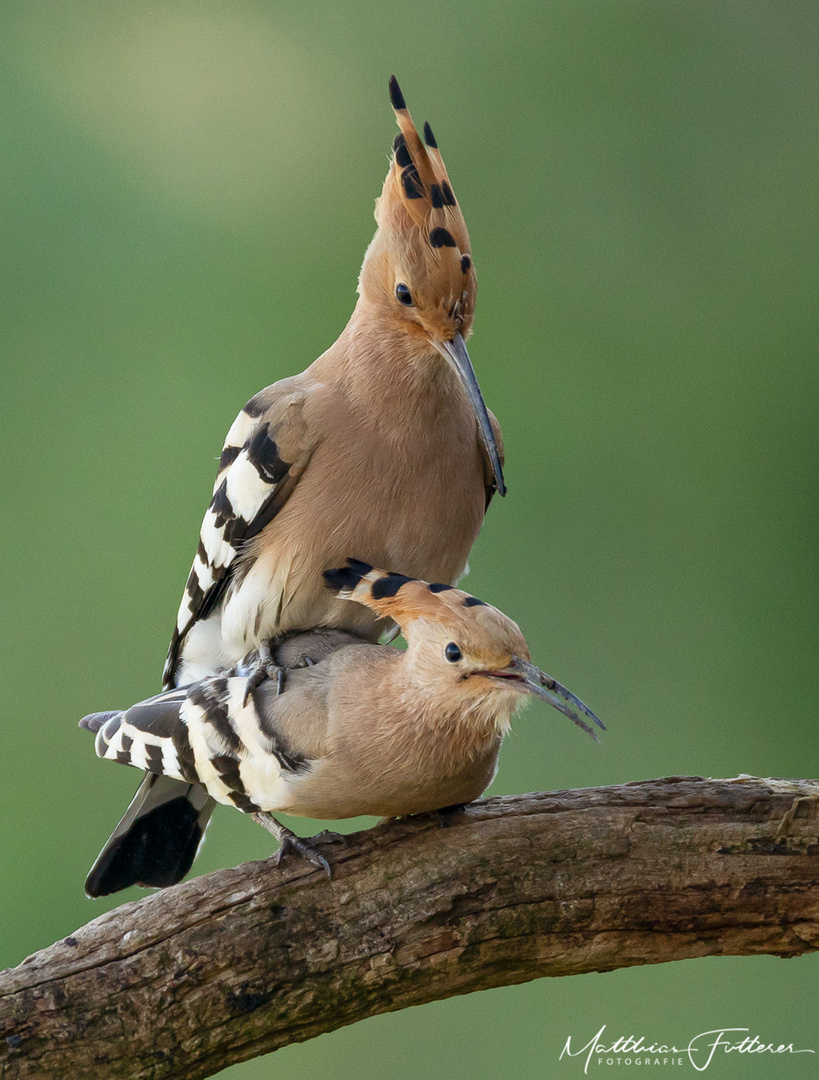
403, 294
452, 653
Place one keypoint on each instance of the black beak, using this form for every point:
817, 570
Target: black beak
524, 677
455, 353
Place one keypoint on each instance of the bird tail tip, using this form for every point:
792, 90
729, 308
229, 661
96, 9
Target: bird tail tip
157, 839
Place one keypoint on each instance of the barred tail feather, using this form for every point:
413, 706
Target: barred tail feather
199, 744
159, 836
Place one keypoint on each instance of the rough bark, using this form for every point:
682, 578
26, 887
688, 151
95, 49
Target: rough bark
187, 981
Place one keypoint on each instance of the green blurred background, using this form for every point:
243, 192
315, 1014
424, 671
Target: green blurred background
186, 198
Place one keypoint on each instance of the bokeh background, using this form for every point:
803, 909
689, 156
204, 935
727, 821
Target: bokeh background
187, 194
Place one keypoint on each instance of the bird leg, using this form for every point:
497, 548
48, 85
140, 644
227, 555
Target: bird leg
267, 669
288, 841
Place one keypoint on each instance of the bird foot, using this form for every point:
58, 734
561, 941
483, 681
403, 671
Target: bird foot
302, 847
267, 669
444, 816
289, 842
327, 836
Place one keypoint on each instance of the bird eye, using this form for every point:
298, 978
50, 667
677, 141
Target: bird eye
452, 653
403, 295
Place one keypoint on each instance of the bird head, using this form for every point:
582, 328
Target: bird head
456, 642
418, 270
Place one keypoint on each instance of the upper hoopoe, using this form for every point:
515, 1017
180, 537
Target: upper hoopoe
367, 730
382, 448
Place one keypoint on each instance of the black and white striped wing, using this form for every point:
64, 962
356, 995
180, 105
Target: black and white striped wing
265, 453
205, 735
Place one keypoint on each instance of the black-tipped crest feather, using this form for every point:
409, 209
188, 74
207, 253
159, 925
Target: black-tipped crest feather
346, 578
396, 97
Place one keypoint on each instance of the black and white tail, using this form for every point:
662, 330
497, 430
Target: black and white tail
158, 837
197, 744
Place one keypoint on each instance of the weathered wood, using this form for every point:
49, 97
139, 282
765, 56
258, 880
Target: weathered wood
225, 967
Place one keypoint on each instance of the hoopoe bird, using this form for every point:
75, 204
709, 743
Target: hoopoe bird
368, 729
382, 448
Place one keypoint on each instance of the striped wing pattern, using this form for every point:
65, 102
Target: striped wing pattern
203, 734
181, 734
253, 482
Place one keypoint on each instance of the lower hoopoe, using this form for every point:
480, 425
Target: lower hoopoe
367, 729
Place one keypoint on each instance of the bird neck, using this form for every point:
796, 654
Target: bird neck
376, 359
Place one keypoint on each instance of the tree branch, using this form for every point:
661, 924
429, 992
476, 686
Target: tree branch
187, 981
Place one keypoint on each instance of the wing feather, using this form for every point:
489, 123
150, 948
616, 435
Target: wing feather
265, 453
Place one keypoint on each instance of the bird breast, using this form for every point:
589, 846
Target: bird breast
398, 495
363, 775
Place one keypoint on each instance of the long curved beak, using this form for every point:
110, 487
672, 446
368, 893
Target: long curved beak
524, 677
456, 355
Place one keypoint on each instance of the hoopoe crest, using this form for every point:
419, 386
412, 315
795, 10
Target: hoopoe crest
421, 253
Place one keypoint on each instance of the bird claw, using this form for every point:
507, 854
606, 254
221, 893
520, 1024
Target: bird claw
327, 836
288, 841
267, 669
